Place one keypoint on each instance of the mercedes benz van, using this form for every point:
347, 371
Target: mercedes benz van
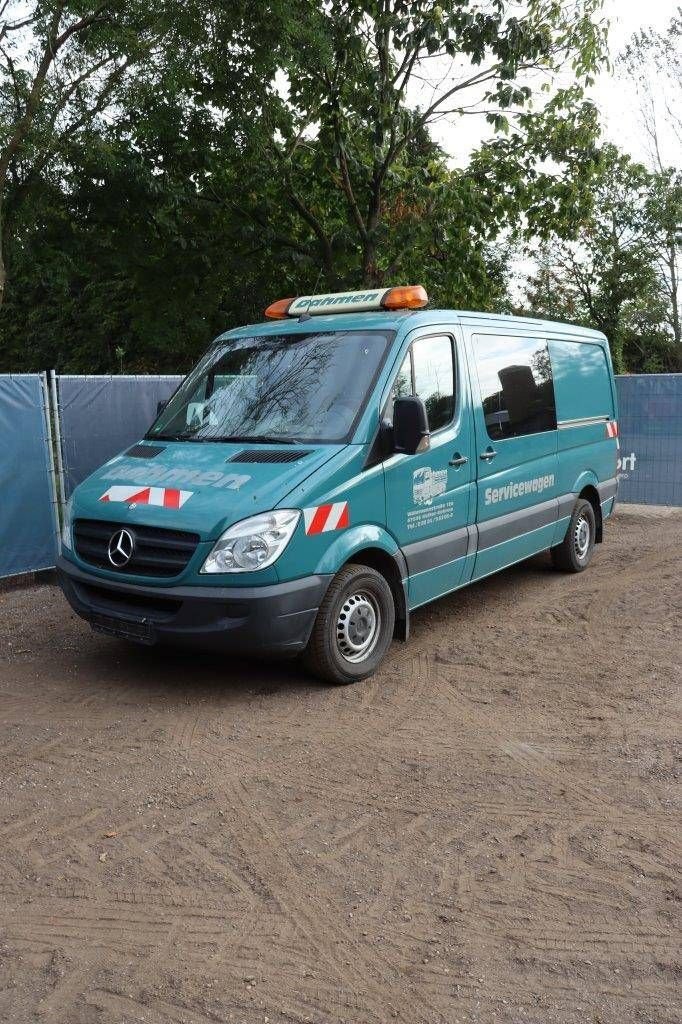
319, 476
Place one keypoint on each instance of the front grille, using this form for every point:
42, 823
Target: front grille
156, 552
265, 455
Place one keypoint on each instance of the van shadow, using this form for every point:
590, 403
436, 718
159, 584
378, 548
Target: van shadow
485, 597
165, 672
183, 673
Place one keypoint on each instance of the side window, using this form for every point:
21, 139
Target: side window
434, 378
428, 371
403, 383
515, 376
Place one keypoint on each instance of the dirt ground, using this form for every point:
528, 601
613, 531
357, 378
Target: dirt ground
487, 831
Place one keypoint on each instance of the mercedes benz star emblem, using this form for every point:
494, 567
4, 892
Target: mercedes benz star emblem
121, 547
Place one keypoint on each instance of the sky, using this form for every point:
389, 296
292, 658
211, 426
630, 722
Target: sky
615, 97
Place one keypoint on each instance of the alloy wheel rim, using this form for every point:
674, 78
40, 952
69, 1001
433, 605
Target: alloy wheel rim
357, 627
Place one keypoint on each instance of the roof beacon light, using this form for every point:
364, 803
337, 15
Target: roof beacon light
408, 297
279, 310
412, 296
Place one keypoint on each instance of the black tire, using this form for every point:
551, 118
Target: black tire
574, 554
358, 602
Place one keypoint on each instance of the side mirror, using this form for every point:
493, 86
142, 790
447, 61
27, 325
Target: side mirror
160, 406
410, 426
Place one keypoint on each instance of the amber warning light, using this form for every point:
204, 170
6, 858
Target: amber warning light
406, 297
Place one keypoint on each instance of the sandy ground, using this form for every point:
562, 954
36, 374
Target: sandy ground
487, 831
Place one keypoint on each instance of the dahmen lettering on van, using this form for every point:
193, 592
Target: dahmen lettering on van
180, 475
319, 476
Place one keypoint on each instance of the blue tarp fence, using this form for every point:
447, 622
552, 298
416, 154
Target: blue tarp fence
28, 522
650, 426
99, 416
94, 418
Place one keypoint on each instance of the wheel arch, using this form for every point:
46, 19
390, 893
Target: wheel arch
394, 571
590, 493
587, 487
371, 545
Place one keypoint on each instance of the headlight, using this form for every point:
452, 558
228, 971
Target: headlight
66, 525
254, 543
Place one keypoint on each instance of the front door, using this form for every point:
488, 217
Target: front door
429, 495
516, 447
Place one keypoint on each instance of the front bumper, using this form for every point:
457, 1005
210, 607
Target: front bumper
274, 619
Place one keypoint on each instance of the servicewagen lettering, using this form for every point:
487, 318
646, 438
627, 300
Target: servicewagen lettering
517, 490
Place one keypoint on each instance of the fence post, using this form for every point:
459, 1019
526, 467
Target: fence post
58, 439
49, 442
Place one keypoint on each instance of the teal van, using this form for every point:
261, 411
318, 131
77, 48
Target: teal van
319, 476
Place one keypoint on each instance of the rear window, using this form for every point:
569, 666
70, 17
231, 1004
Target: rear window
583, 380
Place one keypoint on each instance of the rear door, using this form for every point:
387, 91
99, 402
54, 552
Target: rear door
429, 495
516, 446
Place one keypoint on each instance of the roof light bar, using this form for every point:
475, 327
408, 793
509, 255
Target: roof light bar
407, 297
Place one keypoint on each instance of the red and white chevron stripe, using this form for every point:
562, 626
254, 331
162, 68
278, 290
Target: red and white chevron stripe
611, 428
165, 497
323, 518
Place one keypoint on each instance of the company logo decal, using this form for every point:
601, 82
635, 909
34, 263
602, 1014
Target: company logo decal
351, 299
518, 490
120, 548
163, 497
612, 429
428, 484
323, 518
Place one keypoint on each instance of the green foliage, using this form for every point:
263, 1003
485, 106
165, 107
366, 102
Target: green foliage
183, 164
346, 127
610, 276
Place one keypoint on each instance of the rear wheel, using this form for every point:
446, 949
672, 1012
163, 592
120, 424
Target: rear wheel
353, 628
574, 554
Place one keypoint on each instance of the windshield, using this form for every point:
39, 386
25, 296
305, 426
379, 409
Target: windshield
278, 388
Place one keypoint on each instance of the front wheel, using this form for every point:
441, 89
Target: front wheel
574, 554
353, 628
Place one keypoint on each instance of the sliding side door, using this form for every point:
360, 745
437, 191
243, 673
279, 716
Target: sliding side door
516, 446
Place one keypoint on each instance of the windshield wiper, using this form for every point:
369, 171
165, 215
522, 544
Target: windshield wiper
252, 438
176, 437
257, 438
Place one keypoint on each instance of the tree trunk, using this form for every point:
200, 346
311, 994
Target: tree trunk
370, 276
675, 304
3, 271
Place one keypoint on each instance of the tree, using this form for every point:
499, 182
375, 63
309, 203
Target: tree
70, 70
348, 142
608, 277
62, 64
264, 151
665, 207
653, 62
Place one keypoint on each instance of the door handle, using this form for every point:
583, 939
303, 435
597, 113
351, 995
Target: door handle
458, 460
488, 454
